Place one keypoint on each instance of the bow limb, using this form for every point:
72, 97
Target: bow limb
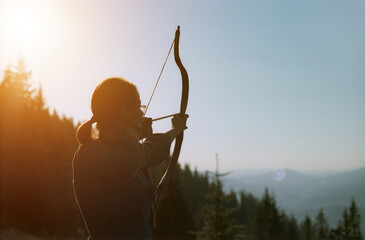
183, 105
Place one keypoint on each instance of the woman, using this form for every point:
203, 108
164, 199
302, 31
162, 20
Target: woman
111, 183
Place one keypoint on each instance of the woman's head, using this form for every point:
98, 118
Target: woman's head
112, 97
115, 100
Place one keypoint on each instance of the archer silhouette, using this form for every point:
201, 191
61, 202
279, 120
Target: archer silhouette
113, 190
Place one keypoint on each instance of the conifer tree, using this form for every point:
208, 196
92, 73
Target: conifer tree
346, 224
348, 227
217, 223
266, 223
195, 190
216, 217
321, 226
307, 230
342, 230
173, 219
36, 153
355, 221
16, 83
292, 229
246, 209
232, 202
39, 102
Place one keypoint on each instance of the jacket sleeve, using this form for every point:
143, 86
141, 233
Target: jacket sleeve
154, 150
157, 149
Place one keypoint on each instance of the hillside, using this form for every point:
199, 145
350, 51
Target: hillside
304, 193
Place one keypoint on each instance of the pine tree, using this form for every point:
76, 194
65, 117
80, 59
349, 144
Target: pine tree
16, 83
232, 202
39, 102
348, 227
246, 209
336, 234
266, 223
216, 218
354, 221
173, 219
307, 230
293, 229
195, 190
321, 226
342, 230
346, 224
217, 223
36, 152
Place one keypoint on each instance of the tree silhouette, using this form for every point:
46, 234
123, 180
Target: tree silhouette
292, 229
348, 227
355, 221
216, 216
245, 211
321, 226
196, 188
307, 229
266, 223
173, 219
36, 151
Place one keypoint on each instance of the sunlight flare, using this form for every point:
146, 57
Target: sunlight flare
27, 26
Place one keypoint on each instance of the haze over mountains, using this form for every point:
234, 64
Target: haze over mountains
304, 193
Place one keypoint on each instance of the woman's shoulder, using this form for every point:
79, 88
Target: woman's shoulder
90, 144
89, 154
90, 148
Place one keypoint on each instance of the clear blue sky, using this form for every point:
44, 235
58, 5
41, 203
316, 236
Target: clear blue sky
272, 83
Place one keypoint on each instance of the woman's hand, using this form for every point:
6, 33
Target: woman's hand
146, 127
134, 128
178, 125
140, 128
179, 122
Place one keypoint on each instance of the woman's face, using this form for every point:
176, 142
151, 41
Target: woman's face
135, 111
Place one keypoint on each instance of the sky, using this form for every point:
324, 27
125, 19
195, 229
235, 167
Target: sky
273, 84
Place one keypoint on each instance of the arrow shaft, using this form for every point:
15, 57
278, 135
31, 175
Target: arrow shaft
160, 118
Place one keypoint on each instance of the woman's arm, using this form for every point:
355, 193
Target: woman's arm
157, 147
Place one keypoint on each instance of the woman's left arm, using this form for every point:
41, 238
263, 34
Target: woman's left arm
157, 146
157, 149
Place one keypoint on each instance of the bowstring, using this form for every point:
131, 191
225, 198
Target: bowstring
159, 77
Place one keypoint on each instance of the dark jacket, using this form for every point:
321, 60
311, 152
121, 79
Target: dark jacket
113, 190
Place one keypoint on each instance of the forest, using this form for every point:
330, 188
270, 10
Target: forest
36, 194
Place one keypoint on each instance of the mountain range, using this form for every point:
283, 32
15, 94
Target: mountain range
304, 193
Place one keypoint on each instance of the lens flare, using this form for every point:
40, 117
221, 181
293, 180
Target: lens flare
278, 174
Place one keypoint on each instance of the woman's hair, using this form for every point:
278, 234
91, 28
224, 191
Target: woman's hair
110, 97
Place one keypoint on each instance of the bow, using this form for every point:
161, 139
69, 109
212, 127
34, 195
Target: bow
183, 104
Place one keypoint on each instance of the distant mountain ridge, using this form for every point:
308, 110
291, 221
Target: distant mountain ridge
304, 193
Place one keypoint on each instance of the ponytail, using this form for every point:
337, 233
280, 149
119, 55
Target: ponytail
83, 133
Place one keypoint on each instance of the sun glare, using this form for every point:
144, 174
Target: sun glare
25, 26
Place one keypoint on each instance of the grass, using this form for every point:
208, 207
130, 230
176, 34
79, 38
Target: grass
14, 234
